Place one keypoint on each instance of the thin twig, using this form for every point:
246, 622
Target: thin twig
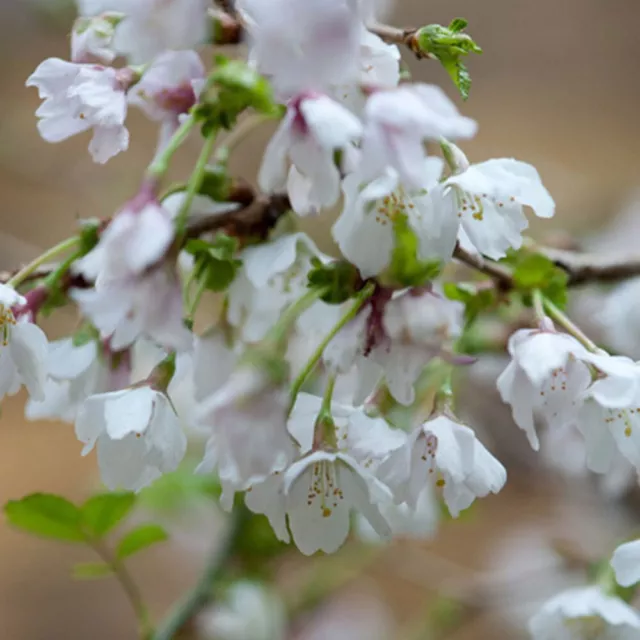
497, 272
185, 611
129, 587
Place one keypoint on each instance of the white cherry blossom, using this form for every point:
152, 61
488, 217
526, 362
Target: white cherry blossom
546, 378
151, 27
137, 435
379, 68
609, 418
314, 127
165, 91
92, 38
315, 47
23, 348
248, 439
79, 97
136, 239
396, 124
316, 494
585, 612
370, 215
273, 276
488, 200
444, 453
626, 563
246, 611
394, 338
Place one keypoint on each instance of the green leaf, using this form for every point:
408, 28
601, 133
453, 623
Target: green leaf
214, 261
140, 538
406, 269
85, 334
448, 45
475, 297
89, 234
339, 277
47, 515
91, 570
103, 512
535, 271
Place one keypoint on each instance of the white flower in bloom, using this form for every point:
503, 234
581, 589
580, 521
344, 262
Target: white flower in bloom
303, 45
488, 200
151, 27
313, 128
370, 216
165, 91
585, 612
396, 124
379, 68
136, 239
545, 377
23, 349
609, 418
626, 563
124, 309
246, 611
74, 373
394, 338
316, 493
273, 276
79, 97
419, 523
249, 440
442, 447
136, 433
92, 39
619, 318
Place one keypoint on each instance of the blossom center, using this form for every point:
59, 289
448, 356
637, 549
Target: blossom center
393, 207
324, 492
7, 321
624, 416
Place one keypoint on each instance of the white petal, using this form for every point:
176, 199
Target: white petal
626, 563
29, 349
128, 412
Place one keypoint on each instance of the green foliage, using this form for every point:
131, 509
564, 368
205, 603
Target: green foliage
216, 182
139, 539
232, 88
101, 513
89, 234
475, 297
449, 45
91, 570
85, 334
406, 269
535, 271
47, 515
177, 489
339, 278
215, 262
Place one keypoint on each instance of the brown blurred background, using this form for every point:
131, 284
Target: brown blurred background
557, 86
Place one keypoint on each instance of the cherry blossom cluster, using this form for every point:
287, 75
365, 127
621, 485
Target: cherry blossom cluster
291, 382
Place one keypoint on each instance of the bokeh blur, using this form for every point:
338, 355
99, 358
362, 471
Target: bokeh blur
557, 86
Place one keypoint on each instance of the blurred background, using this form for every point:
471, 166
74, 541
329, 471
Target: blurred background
557, 86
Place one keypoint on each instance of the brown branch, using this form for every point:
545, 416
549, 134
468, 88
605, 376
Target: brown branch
495, 271
584, 268
228, 29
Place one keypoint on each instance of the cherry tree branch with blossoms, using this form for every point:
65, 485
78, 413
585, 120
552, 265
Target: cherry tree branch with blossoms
323, 385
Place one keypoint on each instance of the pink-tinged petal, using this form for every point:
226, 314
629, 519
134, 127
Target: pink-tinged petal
108, 142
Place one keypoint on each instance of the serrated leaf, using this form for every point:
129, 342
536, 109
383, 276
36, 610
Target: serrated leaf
91, 570
140, 538
339, 278
535, 271
449, 45
215, 263
101, 513
48, 515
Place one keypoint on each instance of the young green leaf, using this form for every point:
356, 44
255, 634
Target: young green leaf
339, 278
48, 515
535, 271
91, 570
449, 45
103, 512
214, 261
140, 538
476, 299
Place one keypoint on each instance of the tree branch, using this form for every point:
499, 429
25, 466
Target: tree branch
495, 271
